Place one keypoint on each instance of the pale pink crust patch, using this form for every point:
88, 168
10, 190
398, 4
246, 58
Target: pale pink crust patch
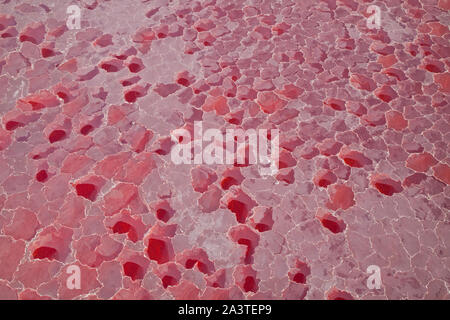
341, 197
421, 162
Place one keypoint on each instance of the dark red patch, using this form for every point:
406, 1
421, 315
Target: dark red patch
56, 135
133, 270
86, 190
157, 250
86, 129
239, 209
168, 281
250, 284
41, 176
45, 253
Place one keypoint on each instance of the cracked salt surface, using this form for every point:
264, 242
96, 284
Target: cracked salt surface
93, 207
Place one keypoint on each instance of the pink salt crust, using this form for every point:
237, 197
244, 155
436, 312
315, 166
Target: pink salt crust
87, 180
